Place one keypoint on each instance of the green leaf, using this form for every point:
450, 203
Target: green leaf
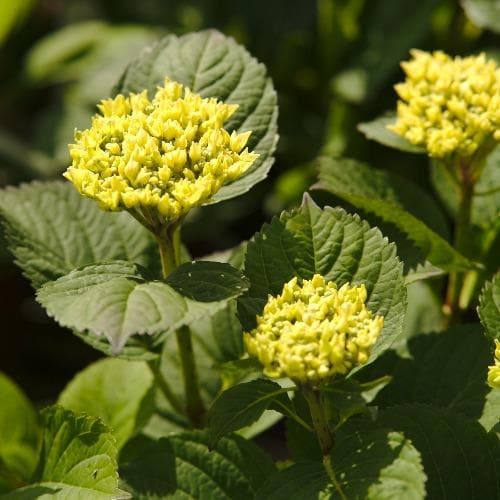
117, 391
377, 131
369, 463
341, 247
442, 369
113, 300
53, 56
214, 65
77, 460
216, 338
377, 192
242, 404
12, 14
52, 229
489, 307
182, 466
19, 433
485, 206
298, 482
483, 13
460, 459
206, 281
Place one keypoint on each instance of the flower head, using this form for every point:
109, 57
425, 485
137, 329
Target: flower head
449, 105
314, 330
494, 370
161, 156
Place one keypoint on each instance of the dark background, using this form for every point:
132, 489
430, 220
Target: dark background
333, 63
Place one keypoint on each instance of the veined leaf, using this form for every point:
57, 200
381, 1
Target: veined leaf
341, 247
117, 391
19, 433
52, 229
214, 65
382, 200
113, 300
242, 404
483, 13
377, 131
485, 206
489, 307
460, 459
369, 463
182, 466
77, 460
206, 281
445, 370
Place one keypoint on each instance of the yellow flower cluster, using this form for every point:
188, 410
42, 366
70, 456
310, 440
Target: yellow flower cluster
314, 330
494, 370
449, 105
163, 155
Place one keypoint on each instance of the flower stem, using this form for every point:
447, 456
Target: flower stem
195, 409
322, 431
164, 387
169, 244
461, 241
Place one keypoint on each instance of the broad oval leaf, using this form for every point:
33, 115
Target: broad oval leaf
206, 281
460, 459
377, 131
214, 65
77, 459
489, 307
382, 199
485, 206
19, 434
119, 392
182, 466
369, 463
51, 229
113, 300
483, 13
242, 405
335, 244
445, 370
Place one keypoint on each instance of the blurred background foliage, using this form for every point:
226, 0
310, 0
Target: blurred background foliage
333, 62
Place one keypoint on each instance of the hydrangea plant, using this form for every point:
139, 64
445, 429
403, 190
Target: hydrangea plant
308, 327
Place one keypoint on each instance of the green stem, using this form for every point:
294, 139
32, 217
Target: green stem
169, 244
322, 431
461, 240
164, 387
195, 409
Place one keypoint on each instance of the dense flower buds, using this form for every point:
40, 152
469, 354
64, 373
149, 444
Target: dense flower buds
314, 330
160, 157
449, 105
494, 370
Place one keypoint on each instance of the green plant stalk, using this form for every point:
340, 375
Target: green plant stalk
471, 279
169, 245
165, 387
461, 236
322, 431
195, 408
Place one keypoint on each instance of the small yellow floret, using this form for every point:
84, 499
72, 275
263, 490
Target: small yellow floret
449, 105
314, 330
494, 370
161, 156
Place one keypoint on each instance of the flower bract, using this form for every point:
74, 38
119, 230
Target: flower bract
314, 330
159, 157
449, 105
